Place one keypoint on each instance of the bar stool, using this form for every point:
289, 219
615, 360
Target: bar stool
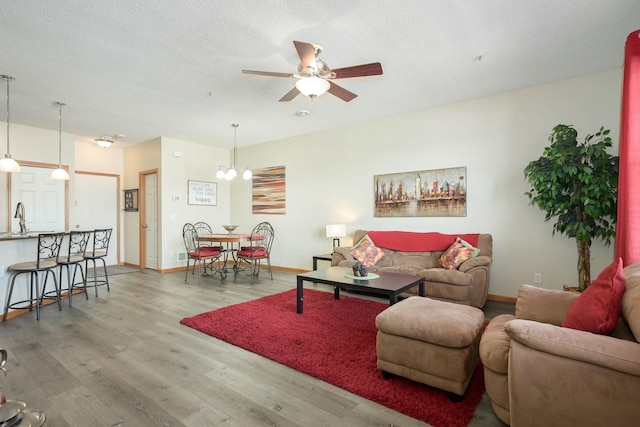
98, 252
78, 241
47, 259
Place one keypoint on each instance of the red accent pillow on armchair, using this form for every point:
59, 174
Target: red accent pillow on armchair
599, 306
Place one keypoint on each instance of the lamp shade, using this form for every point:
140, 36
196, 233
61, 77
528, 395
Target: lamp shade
104, 142
7, 164
312, 86
336, 230
60, 175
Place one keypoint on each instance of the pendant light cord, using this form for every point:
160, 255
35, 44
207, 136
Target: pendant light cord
60, 135
8, 79
235, 147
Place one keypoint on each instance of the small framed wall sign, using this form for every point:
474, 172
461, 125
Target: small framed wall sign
203, 193
131, 200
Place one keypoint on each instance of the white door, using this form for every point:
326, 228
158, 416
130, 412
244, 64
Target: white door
42, 198
96, 206
151, 220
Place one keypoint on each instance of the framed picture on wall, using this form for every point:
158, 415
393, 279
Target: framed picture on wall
203, 193
131, 200
433, 192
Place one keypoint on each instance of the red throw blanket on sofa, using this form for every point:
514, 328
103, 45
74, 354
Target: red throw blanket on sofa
409, 241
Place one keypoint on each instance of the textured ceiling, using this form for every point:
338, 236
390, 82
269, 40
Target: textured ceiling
172, 68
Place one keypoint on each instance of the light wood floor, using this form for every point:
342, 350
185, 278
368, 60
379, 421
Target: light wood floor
123, 359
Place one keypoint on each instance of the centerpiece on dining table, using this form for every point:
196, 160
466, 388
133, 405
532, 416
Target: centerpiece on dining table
230, 228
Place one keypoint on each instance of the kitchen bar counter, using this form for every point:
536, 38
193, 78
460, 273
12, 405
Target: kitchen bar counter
19, 236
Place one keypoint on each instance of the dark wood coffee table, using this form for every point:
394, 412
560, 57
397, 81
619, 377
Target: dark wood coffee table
389, 284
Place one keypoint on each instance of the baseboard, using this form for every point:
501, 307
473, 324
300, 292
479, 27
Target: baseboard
273, 267
501, 298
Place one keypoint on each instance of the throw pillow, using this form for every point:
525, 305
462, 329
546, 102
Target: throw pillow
458, 252
599, 306
366, 251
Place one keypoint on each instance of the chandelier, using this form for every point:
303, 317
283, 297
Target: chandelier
230, 172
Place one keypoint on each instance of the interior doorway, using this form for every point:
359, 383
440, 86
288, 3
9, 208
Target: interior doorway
149, 219
97, 205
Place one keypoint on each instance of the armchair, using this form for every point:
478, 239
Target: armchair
538, 373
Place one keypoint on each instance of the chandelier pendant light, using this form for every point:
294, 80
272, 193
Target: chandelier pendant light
231, 172
7, 164
60, 174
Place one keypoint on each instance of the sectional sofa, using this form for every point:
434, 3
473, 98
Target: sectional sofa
419, 253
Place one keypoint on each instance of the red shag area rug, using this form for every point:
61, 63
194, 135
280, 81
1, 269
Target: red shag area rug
335, 341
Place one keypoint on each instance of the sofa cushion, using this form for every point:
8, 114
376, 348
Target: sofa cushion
458, 252
598, 308
410, 269
631, 299
366, 251
442, 275
495, 344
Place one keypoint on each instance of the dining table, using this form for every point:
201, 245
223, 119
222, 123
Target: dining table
229, 241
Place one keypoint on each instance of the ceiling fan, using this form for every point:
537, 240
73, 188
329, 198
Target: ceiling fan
315, 77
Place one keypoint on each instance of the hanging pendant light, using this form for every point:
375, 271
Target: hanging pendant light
60, 174
7, 164
231, 172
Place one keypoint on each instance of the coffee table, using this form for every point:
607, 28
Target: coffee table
389, 284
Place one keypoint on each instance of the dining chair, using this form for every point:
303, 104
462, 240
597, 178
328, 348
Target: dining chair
249, 258
48, 251
97, 252
203, 228
201, 255
72, 262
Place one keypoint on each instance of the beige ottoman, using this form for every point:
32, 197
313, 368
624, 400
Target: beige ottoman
430, 341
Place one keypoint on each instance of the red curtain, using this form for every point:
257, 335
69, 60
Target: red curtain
628, 221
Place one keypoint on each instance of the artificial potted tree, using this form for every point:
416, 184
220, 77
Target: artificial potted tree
577, 183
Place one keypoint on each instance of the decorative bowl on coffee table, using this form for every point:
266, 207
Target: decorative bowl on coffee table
230, 228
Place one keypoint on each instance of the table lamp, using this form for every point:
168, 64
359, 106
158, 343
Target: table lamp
336, 231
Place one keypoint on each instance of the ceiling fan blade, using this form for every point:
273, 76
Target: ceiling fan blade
341, 92
267, 73
307, 54
373, 69
290, 95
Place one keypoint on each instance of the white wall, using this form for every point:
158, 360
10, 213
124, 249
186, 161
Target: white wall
329, 176
89, 157
183, 161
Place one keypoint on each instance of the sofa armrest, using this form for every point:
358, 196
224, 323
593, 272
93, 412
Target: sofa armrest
543, 305
341, 253
600, 350
471, 263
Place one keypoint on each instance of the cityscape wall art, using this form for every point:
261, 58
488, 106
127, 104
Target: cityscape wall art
435, 192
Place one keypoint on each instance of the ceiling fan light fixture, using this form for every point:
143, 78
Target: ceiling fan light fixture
104, 142
312, 87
